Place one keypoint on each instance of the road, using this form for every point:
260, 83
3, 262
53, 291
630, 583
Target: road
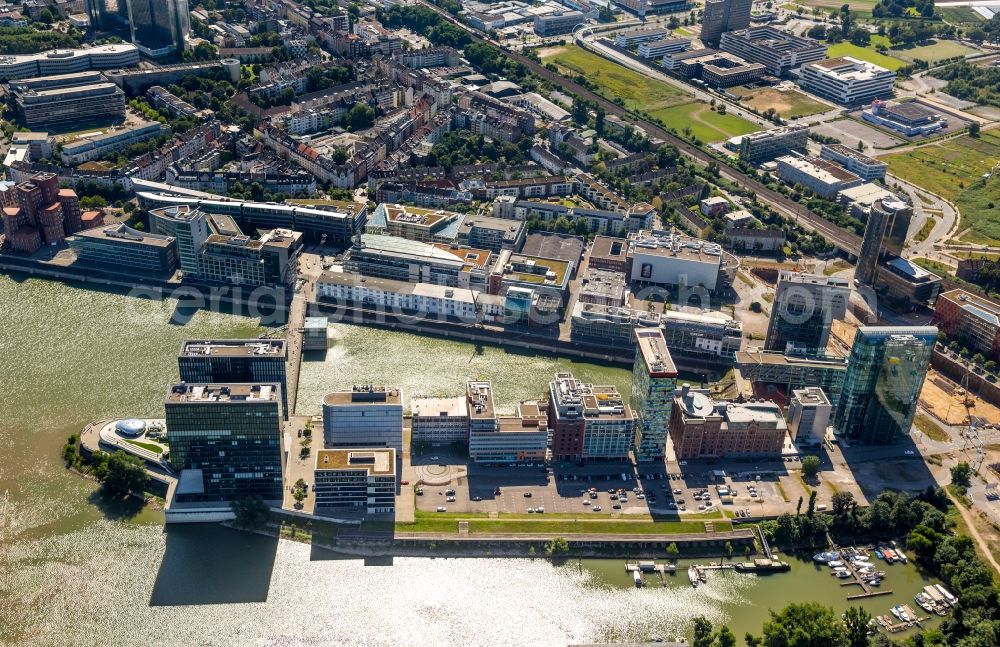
970, 523
806, 219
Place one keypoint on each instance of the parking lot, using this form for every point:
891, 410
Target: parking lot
755, 488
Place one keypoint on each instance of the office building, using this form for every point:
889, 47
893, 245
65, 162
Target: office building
235, 360
68, 61
494, 234
159, 27
885, 373
654, 378
88, 148
107, 14
805, 306
603, 287
769, 373
335, 226
723, 15
494, 439
67, 100
588, 422
906, 285
399, 259
401, 297
888, 222
642, 8
663, 258
910, 118
701, 427
414, 223
659, 48
766, 145
776, 50
608, 326
439, 421
822, 177
971, 319
118, 248
719, 69
636, 37
608, 253
867, 168
355, 480
188, 226
363, 416
225, 440
847, 81
314, 333
707, 335
558, 23
237, 260
809, 412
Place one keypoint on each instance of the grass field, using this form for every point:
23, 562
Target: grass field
790, 104
865, 54
675, 107
637, 90
953, 169
930, 428
705, 124
556, 523
958, 15
937, 51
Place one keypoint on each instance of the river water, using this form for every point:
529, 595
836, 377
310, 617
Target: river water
78, 570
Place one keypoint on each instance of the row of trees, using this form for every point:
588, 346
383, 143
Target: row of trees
120, 474
809, 624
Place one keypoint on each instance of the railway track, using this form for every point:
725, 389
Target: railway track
843, 239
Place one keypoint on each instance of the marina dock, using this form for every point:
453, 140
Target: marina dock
638, 568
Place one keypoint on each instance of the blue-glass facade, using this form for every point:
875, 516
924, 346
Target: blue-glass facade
885, 373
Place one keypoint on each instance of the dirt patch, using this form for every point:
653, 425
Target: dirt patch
945, 400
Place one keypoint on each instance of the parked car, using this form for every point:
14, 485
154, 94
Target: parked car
441, 508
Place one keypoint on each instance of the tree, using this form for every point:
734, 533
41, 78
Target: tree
724, 638
126, 474
856, 622
961, 475
702, 632
812, 504
810, 467
974, 129
556, 546
251, 512
672, 550
729, 549
809, 624
798, 508
299, 491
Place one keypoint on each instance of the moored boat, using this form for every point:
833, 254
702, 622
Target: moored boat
825, 557
693, 575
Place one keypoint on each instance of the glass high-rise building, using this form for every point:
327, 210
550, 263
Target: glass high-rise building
107, 14
654, 378
885, 373
225, 439
805, 306
159, 27
235, 360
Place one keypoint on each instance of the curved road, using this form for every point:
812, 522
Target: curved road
843, 239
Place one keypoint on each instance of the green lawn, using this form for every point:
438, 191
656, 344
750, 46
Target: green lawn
959, 15
930, 428
937, 51
865, 54
953, 170
659, 99
156, 449
639, 92
565, 523
705, 124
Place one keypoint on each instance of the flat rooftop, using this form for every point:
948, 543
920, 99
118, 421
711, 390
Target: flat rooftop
558, 269
418, 217
377, 461
223, 393
472, 257
121, 233
479, 395
758, 356
233, 348
439, 407
653, 347
801, 278
364, 394
819, 168
611, 248
675, 245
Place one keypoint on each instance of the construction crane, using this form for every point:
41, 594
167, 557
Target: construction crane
971, 433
